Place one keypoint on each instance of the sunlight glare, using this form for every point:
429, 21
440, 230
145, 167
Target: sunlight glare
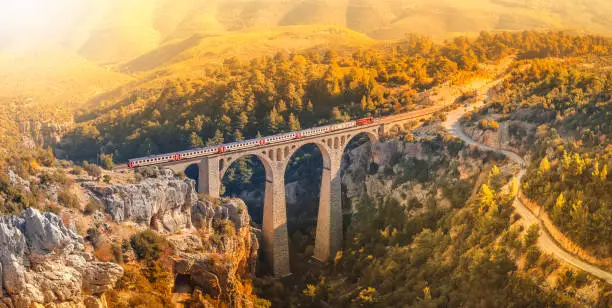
31, 21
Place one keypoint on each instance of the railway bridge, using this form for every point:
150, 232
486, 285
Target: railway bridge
275, 159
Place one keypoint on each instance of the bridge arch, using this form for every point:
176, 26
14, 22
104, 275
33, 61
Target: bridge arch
372, 135
322, 145
226, 162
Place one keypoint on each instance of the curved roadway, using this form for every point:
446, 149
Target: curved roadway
546, 243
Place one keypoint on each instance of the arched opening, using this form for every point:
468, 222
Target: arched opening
356, 163
193, 172
245, 178
303, 176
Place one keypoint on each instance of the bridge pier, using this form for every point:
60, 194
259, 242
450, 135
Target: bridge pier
329, 221
209, 177
274, 229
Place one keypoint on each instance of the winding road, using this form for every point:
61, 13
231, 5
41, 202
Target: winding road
545, 242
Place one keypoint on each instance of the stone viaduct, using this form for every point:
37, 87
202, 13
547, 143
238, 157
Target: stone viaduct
275, 158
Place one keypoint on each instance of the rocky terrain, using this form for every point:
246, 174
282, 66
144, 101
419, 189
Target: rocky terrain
44, 263
212, 243
164, 204
386, 169
58, 259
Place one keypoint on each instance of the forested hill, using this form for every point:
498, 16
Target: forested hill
242, 99
569, 102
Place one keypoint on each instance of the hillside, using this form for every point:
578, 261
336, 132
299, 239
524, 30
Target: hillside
55, 76
192, 53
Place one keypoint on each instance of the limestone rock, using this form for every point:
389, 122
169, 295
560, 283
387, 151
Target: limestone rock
16, 180
235, 210
43, 263
164, 204
99, 277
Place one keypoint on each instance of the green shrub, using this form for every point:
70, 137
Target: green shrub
68, 199
107, 161
531, 237
148, 172
148, 245
93, 170
532, 256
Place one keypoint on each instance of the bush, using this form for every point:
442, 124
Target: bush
94, 237
148, 172
148, 245
93, 170
46, 157
92, 206
76, 170
56, 177
68, 199
532, 256
107, 161
225, 228
531, 237
489, 124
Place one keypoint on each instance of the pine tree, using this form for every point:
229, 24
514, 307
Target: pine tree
485, 198
238, 136
282, 106
243, 121
566, 161
337, 116
560, 203
603, 174
310, 107
294, 123
544, 166
195, 141
275, 121
364, 105
217, 139
577, 165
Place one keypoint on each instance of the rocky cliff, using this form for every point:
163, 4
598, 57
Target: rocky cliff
214, 264
403, 171
44, 263
213, 245
164, 203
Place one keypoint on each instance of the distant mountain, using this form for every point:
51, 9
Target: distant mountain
55, 76
115, 31
88, 47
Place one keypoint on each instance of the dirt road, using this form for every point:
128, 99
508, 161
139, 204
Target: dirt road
546, 243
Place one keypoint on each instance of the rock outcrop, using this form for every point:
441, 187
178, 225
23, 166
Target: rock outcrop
164, 204
384, 170
213, 244
215, 266
43, 262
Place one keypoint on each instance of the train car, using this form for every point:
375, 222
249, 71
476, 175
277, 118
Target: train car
344, 125
281, 138
243, 145
315, 131
153, 160
198, 152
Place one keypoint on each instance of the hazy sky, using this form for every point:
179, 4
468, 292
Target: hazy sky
25, 22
